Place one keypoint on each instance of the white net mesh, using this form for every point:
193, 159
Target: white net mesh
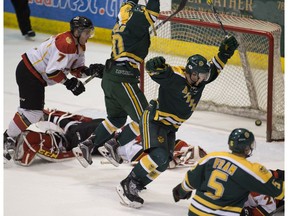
243, 86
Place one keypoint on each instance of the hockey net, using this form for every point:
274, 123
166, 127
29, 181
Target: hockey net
251, 84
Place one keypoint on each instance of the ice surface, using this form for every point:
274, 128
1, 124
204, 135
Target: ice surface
67, 189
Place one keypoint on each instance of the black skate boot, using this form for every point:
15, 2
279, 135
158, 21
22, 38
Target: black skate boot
83, 151
109, 151
128, 192
9, 145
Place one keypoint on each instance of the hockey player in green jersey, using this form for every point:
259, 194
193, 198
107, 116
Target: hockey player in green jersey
179, 93
224, 180
123, 97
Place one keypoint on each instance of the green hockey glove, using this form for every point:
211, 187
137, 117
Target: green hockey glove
227, 48
179, 193
155, 63
95, 70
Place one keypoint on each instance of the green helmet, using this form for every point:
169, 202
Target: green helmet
198, 64
241, 141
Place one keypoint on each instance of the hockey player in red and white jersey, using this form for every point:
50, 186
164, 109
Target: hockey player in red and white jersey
259, 204
46, 65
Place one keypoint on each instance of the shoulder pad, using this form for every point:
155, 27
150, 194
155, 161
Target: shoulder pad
179, 70
125, 13
65, 43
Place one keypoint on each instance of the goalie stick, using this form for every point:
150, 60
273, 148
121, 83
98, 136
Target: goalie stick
210, 2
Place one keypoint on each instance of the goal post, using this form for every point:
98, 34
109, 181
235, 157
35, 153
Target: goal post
251, 84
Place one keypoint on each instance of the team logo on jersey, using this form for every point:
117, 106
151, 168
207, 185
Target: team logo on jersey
263, 169
68, 40
161, 139
246, 134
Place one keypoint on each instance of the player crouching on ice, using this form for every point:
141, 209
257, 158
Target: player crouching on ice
53, 140
50, 64
223, 180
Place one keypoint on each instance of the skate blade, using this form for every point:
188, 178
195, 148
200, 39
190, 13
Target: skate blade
124, 201
103, 151
78, 154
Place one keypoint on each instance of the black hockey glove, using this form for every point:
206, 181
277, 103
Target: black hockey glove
155, 63
179, 193
227, 48
74, 85
278, 174
95, 70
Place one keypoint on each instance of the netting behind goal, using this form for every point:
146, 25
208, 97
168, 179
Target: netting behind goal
251, 84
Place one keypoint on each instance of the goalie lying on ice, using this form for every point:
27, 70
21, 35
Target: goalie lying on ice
53, 140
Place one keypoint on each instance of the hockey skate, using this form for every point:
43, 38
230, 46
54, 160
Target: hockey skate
109, 151
30, 35
128, 193
9, 145
83, 151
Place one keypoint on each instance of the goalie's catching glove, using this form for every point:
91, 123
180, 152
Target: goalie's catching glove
180, 193
95, 70
227, 48
74, 85
185, 155
156, 63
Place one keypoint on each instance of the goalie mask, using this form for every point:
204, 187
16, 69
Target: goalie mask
198, 68
241, 141
81, 24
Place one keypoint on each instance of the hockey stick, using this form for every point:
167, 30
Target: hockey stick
180, 7
89, 79
153, 27
210, 2
133, 163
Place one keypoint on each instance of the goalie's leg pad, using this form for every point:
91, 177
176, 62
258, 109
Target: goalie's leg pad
48, 146
26, 151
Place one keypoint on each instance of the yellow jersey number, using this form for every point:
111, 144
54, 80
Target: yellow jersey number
117, 41
216, 185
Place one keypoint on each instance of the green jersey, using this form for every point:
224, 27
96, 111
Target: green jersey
130, 35
177, 100
223, 182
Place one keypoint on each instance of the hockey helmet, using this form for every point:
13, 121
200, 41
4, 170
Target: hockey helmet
199, 65
241, 141
80, 24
